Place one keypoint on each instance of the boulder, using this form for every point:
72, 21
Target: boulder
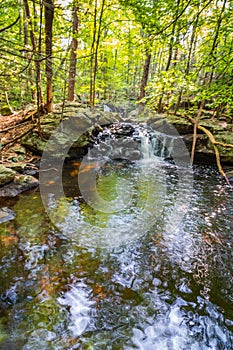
225, 152
5, 110
17, 166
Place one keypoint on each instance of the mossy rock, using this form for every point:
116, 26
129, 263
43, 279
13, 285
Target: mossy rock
18, 166
33, 142
5, 110
6, 175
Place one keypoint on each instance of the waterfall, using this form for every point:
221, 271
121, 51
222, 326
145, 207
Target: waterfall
146, 145
156, 144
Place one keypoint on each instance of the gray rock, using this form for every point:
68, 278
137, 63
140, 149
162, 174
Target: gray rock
81, 119
107, 118
19, 149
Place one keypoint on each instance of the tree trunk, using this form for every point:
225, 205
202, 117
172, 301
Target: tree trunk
92, 93
187, 68
94, 52
35, 53
28, 55
49, 14
215, 41
169, 60
73, 55
144, 80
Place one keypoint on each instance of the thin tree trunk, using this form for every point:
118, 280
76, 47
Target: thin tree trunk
73, 55
96, 52
49, 14
169, 60
215, 41
28, 55
160, 104
40, 52
187, 68
92, 94
144, 80
37, 59
8, 102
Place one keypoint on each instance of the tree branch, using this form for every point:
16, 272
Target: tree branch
10, 25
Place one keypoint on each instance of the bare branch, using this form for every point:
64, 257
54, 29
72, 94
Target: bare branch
10, 25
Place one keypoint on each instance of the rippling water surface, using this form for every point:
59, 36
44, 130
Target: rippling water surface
75, 285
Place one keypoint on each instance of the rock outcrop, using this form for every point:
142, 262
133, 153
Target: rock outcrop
86, 122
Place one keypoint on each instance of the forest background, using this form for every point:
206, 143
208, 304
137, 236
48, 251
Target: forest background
168, 54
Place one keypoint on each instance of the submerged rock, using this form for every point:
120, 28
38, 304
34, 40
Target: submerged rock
6, 214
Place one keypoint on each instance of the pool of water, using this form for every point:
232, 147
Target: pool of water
149, 269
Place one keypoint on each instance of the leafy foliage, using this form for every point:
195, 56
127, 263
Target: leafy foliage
190, 43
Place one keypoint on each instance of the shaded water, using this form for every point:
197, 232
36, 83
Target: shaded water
163, 289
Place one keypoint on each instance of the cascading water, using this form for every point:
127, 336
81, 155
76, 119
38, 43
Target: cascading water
140, 142
155, 144
146, 145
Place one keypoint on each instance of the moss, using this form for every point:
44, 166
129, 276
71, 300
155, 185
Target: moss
5, 110
6, 175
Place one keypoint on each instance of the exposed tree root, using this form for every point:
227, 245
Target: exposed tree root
216, 150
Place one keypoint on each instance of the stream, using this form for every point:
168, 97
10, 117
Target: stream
147, 264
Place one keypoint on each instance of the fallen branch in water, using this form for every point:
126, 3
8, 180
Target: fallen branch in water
216, 150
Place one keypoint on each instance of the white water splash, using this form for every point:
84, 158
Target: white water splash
80, 307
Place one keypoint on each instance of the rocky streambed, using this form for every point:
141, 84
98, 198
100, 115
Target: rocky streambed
76, 127
88, 121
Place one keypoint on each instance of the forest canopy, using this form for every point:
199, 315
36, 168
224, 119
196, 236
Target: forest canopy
168, 54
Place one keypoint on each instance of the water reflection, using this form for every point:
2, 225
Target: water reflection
130, 200
169, 289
